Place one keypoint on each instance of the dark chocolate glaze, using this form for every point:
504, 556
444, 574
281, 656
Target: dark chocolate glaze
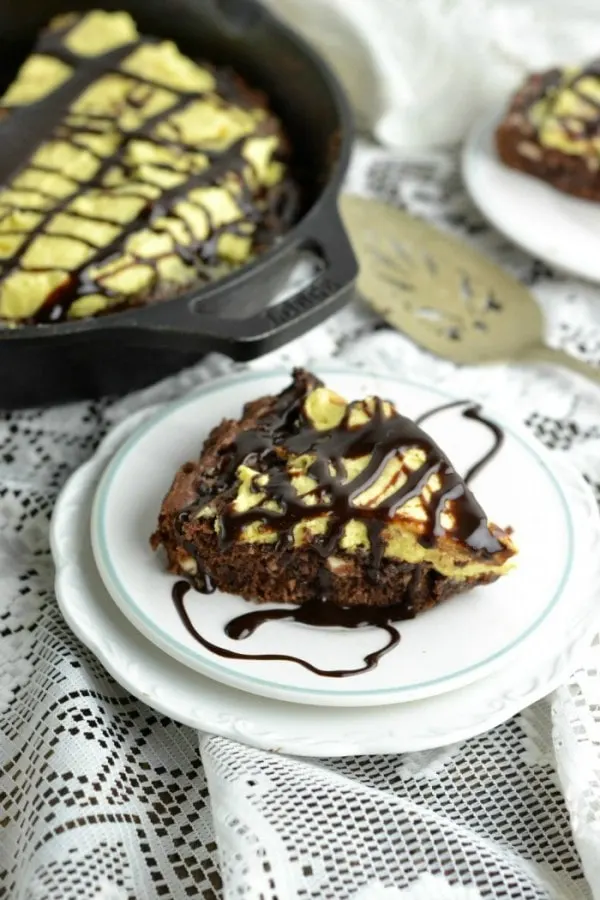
24, 129
321, 613
381, 437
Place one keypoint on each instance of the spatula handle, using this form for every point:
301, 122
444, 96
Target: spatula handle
544, 353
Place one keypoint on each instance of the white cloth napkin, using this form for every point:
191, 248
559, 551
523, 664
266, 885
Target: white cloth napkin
419, 71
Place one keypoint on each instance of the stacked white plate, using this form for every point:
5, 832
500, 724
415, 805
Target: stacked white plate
457, 671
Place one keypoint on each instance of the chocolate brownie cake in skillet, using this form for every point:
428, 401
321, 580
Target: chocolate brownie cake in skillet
552, 129
309, 496
130, 173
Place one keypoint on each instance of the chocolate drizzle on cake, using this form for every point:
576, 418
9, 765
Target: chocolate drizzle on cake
550, 84
23, 129
381, 437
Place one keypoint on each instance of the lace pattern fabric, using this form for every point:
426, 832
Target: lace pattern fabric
101, 797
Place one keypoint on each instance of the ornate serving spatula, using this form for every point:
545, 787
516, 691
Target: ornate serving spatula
444, 295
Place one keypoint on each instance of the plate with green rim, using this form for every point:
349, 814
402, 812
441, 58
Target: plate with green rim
522, 615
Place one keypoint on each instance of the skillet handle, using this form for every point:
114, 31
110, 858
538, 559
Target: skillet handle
187, 326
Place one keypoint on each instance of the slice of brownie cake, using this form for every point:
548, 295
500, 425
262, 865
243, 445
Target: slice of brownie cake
552, 129
309, 496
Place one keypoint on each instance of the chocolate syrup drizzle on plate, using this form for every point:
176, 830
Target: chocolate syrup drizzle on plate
471, 411
25, 128
381, 436
315, 612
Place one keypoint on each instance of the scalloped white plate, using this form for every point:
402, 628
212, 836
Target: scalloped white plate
547, 503
563, 231
176, 690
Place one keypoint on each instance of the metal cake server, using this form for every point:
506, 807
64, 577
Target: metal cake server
444, 295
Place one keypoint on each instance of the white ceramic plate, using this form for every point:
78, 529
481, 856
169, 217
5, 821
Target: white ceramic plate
177, 691
521, 615
561, 230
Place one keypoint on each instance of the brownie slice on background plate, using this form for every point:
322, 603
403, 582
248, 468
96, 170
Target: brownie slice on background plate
552, 130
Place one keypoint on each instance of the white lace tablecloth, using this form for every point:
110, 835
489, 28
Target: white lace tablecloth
103, 798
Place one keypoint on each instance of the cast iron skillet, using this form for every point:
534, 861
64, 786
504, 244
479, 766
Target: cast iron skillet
128, 350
